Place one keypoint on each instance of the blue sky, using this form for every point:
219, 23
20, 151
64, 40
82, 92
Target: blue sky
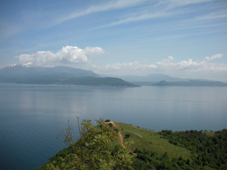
181, 38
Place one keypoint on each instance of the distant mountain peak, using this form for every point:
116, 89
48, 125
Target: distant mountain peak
23, 72
56, 75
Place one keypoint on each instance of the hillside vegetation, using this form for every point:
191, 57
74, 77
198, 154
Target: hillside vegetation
100, 147
207, 148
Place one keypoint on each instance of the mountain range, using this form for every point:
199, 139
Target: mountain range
74, 76
57, 75
190, 83
165, 80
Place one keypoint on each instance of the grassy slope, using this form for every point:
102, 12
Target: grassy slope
150, 140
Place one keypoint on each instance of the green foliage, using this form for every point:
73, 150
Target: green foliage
208, 150
117, 148
150, 140
98, 148
116, 130
91, 151
151, 160
107, 120
66, 135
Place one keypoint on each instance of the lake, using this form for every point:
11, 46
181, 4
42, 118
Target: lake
32, 115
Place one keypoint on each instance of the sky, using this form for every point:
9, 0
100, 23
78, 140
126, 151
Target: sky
180, 38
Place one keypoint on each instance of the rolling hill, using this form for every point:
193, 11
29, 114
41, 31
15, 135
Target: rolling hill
57, 75
201, 150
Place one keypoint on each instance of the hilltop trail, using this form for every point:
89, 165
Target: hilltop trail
120, 135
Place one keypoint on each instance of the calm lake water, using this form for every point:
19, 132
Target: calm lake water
32, 115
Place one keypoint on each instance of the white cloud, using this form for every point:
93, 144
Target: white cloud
168, 60
214, 57
131, 66
166, 66
67, 55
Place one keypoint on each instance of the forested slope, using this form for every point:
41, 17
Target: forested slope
99, 148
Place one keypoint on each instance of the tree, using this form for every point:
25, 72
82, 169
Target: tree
92, 150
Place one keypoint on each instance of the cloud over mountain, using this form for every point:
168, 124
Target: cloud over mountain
67, 55
81, 58
166, 66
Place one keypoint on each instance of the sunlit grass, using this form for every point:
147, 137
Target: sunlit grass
150, 141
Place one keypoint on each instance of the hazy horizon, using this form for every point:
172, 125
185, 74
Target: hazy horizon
127, 75
185, 39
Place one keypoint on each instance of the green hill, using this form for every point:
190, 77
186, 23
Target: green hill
150, 149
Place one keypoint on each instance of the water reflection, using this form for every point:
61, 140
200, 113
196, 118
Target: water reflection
31, 115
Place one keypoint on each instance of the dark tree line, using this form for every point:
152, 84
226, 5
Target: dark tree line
207, 150
151, 160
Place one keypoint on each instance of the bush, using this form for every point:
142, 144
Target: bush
90, 150
117, 148
116, 130
107, 120
127, 135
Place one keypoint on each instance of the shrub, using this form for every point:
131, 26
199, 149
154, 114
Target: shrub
107, 120
127, 135
116, 130
90, 150
117, 148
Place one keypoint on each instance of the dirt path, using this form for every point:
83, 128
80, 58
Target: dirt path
120, 135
